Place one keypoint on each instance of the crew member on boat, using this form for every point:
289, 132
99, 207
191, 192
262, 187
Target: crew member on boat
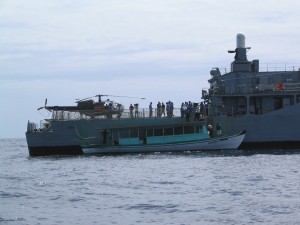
104, 136
210, 130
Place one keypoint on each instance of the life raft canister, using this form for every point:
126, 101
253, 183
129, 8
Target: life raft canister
279, 85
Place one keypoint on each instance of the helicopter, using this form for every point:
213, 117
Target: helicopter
89, 107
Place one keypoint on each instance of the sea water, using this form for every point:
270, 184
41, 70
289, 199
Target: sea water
187, 188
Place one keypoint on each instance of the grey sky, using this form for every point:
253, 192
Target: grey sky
161, 50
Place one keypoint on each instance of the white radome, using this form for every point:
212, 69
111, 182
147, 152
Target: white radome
240, 40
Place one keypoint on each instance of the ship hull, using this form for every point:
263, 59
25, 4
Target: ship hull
65, 137
277, 129
55, 150
270, 145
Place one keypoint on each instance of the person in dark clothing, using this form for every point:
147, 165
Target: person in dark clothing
197, 113
202, 109
104, 136
163, 109
131, 110
187, 115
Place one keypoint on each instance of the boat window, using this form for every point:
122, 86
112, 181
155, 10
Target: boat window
298, 98
134, 133
158, 132
142, 134
188, 129
115, 136
178, 130
198, 129
124, 133
168, 131
149, 132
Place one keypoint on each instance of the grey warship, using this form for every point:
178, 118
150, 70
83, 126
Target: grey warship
70, 127
266, 104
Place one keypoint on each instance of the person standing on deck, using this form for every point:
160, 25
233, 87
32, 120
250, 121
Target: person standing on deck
197, 113
150, 110
189, 111
182, 110
158, 109
131, 110
202, 109
136, 111
163, 109
171, 108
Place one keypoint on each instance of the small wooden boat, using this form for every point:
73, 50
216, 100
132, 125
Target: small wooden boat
160, 138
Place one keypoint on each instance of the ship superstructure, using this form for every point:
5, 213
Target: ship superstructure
266, 104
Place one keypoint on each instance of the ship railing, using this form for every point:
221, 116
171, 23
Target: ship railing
269, 67
278, 87
291, 86
35, 127
275, 67
227, 112
272, 88
32, 126
107, 114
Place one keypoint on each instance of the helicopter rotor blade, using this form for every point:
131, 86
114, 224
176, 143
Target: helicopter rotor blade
124, 96
80, 100
40, 108
100, 95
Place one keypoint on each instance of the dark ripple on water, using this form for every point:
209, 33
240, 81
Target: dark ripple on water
237, 187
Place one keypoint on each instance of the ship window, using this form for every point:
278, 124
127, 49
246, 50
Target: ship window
178, 130
158, 132
298, 98
168, 131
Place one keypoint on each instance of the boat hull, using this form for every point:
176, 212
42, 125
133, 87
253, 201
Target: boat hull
221, 143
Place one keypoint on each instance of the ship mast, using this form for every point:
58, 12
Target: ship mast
241, 63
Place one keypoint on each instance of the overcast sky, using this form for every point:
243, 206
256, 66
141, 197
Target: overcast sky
158, 49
